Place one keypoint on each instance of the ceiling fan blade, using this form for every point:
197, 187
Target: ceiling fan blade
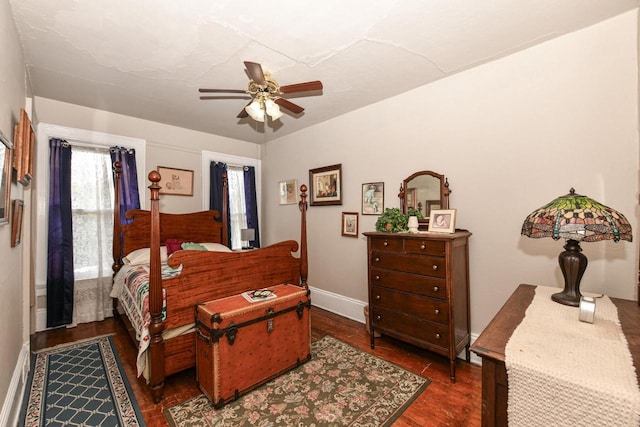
302, 87
285, 103
242, 114
255, 72
224, 97
222, 91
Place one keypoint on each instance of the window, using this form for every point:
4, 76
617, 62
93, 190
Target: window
235, 177
237, 210
92, 212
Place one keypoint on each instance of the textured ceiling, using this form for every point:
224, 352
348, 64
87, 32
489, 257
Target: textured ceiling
147, 58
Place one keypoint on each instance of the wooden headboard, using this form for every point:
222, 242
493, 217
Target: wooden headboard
199, 227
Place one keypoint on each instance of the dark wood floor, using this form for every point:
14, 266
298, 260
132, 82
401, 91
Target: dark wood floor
441, 404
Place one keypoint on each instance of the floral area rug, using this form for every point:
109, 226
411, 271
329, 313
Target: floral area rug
339, 386
79, 384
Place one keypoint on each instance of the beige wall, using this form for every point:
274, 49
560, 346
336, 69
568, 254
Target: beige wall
13, 294
511, 136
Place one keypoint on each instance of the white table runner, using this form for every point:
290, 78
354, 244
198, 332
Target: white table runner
563, 372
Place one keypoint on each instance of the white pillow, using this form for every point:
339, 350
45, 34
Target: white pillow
142, 256
215, 247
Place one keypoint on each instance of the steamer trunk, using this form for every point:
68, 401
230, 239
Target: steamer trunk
243, 344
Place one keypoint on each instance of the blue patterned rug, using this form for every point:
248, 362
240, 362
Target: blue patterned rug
79, 384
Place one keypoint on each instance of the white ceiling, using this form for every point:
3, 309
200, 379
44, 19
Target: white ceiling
147, 58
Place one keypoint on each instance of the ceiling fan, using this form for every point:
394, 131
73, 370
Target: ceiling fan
266, 94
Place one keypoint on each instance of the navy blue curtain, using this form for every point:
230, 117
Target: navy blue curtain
217, 170
251, 203
60, 242
129, 195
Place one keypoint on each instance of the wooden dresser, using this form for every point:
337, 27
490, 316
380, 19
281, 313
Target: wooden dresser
491, 343
419, 290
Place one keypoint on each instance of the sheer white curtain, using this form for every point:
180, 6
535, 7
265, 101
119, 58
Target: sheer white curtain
92, 214
237, 205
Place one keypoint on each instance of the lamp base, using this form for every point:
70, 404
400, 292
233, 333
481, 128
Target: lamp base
573, 264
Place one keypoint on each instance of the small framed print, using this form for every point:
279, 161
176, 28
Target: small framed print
16, 223
326, 185
350, 224
174, 181
372, 198
442, 220
287, 191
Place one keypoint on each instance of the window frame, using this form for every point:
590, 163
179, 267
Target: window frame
41, 190
209, 156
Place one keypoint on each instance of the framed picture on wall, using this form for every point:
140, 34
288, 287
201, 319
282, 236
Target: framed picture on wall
6, 158
372, 198
326, 185
287, 191
175, 181
350, 224
16, 223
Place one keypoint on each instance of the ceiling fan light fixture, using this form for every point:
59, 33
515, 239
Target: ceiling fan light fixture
255, 111
273, 110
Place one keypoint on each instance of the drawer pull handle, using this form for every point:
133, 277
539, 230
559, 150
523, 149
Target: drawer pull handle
377, 277
377, 297
377, 259
436, 289
423, 246
437, 335
435, 267
378, 317
386, 243
437, 311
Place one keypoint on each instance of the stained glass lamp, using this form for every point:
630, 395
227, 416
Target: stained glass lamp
577, 219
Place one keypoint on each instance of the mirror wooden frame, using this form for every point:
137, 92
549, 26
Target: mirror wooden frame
444, 193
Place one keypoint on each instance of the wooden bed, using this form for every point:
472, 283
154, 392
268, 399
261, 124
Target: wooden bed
205, 275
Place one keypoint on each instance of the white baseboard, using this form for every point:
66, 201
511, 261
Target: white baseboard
15, 393
354, 309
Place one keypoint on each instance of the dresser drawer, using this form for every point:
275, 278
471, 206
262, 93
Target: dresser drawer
426, 265
413, 329
424, 247
412, 305
383, 244
435, 287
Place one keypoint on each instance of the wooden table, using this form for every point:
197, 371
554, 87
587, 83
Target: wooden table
492, 341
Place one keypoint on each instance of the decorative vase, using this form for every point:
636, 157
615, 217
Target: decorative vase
413, 224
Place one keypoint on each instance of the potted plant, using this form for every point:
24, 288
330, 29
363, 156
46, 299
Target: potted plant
392, 220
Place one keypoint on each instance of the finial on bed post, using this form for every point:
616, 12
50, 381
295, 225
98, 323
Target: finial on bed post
304, 262
156, 382
116, 250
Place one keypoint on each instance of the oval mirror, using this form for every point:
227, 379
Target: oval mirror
424, 191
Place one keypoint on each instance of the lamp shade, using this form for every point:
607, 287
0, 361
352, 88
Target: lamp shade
255, 111
577, 217
273, 110
247, 234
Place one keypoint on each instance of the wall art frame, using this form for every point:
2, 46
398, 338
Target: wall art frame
350, 224
287, 191
174, 181
326, 185
442, 221
16, 222
372, 198
24, 143
6, 159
